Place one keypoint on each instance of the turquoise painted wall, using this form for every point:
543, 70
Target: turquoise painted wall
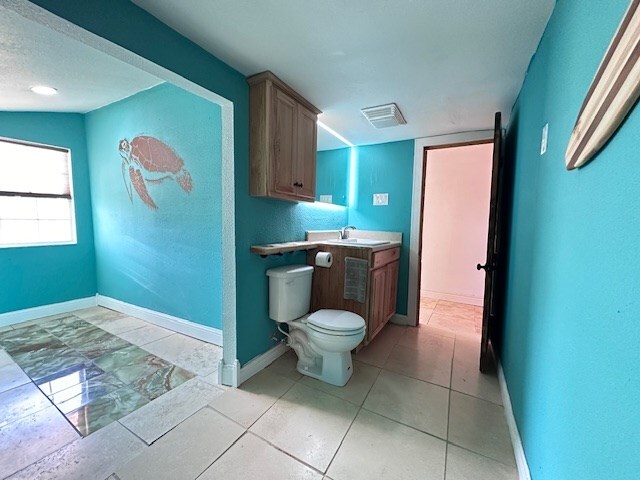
169, 259
572, 331
386, 168
257, 220
34, 276
332, 175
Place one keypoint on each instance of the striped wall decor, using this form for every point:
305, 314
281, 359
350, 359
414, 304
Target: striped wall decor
614, 91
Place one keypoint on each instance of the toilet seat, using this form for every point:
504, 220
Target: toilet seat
336, 322
335, 333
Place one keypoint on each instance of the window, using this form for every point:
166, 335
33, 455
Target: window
36, 201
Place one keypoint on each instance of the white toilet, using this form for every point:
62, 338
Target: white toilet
322, 340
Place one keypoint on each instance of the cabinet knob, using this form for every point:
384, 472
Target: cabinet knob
297, 184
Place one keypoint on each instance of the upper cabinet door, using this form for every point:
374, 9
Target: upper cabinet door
282, 137
283, 161
306, 154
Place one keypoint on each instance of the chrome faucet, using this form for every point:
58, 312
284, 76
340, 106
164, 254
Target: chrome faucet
344, 231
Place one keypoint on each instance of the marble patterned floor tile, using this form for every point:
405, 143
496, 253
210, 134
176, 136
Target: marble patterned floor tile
20, 402
89, 312
102, 345
105, 410
253, 398
186, 451
161, 415
76, 396
307, 424
26, 340
463, 464
118, 325
426, 302
161, 381
251, 457
50, 363
419, 339
6, 328
381, 449
480, 426
31, 438
141, 368
420, 405
68, 377
356, 389
432, 366
57, 320
92, 457
378, 351
89, 334
146, 334
120, 358
70, 329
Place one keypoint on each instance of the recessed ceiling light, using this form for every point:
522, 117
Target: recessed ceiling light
44, 90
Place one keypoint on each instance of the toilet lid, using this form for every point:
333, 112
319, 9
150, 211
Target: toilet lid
336, 320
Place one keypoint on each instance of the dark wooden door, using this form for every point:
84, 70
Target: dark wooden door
489, 321
378, 287
284, 143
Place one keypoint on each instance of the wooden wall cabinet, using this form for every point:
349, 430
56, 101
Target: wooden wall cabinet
382, 289
283, 140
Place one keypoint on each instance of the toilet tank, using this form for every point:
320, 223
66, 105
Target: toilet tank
289, 292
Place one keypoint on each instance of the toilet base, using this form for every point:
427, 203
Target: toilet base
335, 368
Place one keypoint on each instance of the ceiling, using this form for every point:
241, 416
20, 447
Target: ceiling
86, 79
448, 64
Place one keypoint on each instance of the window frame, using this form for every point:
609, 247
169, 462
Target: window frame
70, 197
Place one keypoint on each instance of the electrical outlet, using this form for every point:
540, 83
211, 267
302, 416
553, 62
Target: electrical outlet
326, 198
545, 138
380, 199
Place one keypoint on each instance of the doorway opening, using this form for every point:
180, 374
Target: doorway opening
454, 221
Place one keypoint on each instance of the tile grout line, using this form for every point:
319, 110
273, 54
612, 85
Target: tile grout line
446, 445
351, 424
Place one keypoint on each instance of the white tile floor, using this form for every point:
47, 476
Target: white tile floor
415, 408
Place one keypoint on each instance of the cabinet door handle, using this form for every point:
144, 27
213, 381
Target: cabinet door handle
297, 184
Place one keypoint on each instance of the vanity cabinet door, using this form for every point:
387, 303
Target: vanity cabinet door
391, 290
283, 161
377, 312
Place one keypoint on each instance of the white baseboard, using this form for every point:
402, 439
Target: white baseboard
260, 362
27, 314
516, 441
452, 297
399, 319
201, 332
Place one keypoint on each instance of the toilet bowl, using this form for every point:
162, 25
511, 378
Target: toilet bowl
322, 340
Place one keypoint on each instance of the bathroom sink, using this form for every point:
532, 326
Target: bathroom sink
364, 242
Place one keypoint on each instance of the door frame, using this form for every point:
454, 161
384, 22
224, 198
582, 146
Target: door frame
455, 139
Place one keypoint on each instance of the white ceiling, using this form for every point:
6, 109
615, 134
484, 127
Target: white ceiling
448, 64
86, 79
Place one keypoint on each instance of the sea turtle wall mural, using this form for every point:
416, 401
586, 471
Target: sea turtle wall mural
147, 160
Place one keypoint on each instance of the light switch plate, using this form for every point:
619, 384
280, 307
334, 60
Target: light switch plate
545, 137
380, 199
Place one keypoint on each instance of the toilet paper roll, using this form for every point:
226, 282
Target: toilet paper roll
324, 259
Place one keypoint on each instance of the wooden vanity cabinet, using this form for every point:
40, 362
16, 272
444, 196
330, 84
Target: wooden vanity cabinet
382, 285
283, 140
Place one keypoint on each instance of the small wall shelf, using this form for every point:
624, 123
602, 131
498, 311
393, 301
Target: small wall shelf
280, 248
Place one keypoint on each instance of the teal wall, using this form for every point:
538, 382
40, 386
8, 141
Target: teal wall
170, 259
571, 339
257, 220
386, 168
34, 276
332, 175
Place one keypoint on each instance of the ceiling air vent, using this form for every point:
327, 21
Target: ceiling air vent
384, 116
